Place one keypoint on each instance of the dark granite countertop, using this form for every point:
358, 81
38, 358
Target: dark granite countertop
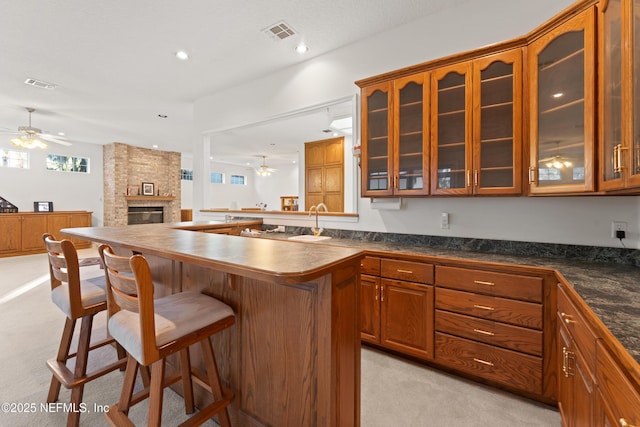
611, 290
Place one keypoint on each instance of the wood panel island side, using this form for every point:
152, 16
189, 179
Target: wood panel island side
293, 357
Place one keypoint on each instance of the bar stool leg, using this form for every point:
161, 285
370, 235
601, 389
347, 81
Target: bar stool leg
127, 387
63, 355
214, 379
187, 384
80, 370
156, 393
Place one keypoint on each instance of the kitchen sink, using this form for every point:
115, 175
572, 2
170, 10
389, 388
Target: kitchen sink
309, 238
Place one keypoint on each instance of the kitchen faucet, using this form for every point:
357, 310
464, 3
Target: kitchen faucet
315, 208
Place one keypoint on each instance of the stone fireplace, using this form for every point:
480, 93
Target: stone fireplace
126, 168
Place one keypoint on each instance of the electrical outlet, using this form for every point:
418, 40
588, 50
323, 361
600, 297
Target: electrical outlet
618, 226
444, 220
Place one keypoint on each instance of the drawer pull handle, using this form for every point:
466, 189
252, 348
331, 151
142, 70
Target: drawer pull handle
482, 282
404, 271
568, 319
624, 423
483, 307
484, 362
480, 331
567, 358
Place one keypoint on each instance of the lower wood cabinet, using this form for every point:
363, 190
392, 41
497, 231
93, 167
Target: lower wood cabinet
576, 365
618, 401
491, 325
22, 232
396, 305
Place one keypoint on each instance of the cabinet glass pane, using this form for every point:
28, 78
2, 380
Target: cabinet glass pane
635, 149
378, 141
561, 150
410, 138
496, 126
612, 87
451, 131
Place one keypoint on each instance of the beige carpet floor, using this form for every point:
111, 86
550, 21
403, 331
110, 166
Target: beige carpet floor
395, 392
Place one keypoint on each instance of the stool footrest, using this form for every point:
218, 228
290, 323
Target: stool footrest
120, 419
69, 380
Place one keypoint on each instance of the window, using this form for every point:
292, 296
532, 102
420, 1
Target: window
67, 163
238, 179
186, 175
549, 174
217, 178
14, 159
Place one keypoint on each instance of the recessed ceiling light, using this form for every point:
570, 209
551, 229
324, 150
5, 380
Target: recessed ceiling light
302, 48
558, 95
60, 133
182, 55
155, 145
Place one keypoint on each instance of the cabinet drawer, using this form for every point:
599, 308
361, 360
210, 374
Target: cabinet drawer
525, 288
496, 364
408, 271
519, 313
569, 316
370, 265
490, 332
621, 398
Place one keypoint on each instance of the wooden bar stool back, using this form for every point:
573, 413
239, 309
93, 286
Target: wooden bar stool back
78, 299
151, 330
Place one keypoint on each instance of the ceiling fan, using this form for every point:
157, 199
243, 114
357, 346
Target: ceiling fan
264, 170
32, 137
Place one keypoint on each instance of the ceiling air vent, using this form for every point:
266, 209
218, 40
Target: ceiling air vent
40, 84
279, 31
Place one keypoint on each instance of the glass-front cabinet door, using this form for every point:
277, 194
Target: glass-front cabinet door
497, 124
619, 92
451, 129
377, 132
561, 75
411, 148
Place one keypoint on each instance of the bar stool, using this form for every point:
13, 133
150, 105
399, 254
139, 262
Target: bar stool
78, 299
151, 330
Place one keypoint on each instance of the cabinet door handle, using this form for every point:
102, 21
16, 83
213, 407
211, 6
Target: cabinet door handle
616, 158
532, 175
484, 362
624, 423
567, 357
568, 319
404, 271
377, 290
468, 177
483, 307
482, 282
381, 293
483, 332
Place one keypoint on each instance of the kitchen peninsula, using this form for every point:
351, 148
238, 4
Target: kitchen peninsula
293, 357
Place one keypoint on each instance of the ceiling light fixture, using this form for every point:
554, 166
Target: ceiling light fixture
29, 142
263, 170
182, 55
558, 95
302, 48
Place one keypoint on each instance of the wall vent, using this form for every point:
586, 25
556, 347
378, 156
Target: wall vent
39, 83
279, 31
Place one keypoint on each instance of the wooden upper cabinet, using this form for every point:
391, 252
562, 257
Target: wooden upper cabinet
395, 148
451, 129
377, 131
410, 131
561, 99
497, 123
619, 94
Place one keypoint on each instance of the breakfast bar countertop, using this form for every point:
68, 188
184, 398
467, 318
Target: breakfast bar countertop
611, 290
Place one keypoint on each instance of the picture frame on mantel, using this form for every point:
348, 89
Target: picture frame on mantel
148, 189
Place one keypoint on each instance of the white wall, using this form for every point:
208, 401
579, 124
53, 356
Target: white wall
573, 220
67, 190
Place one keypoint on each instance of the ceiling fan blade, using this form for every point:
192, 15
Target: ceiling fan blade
55, 139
